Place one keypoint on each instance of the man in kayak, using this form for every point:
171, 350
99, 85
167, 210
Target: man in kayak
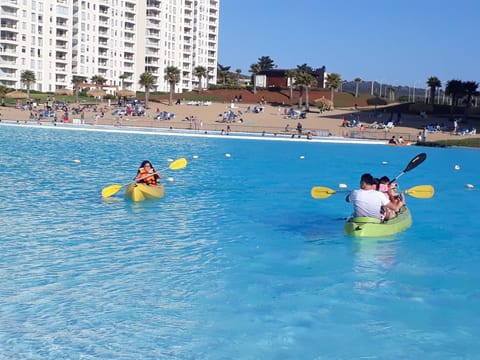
147, 174
367, 201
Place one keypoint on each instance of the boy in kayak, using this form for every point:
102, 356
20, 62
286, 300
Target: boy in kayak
367, 201
147, 174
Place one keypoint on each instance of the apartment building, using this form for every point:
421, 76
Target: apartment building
116, 39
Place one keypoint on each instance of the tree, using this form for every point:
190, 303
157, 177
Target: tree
28, 78
305, 68
223, 72
305, 81
238, 72
333, 82
122, 78
172, 75
3, 92
266, 63
455, 90
433, 83
357, 83
290, 75
98, 80
254, 69
200, 72
147, 80
76, 81
470, 88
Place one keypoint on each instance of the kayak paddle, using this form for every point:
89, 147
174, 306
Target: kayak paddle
417, 160
419, 191
113, 189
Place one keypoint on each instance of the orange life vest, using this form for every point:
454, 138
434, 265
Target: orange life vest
149, 180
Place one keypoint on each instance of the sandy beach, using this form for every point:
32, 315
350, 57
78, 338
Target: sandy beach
270, 120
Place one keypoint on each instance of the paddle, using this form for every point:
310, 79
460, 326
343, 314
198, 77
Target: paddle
419, 191
417, 160
113, 189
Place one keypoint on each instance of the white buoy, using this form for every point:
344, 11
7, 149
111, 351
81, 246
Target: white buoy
76, 161
170, 160
195, 156
302, 157
170, 179
469, 186
457, 167
342, 186
384, 162
227, 155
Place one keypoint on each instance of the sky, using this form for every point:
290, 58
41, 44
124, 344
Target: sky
396, 42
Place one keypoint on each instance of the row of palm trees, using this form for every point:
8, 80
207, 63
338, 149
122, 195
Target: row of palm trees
147, 80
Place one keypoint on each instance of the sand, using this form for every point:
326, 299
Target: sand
272, 120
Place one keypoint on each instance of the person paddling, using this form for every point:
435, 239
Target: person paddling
147, 174
367, 201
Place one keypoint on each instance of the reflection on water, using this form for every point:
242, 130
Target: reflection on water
373, 259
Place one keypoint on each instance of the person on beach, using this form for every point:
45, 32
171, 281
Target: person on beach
367, 201
147, 174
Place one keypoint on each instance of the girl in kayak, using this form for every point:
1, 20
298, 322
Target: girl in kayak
390, 191
147, 174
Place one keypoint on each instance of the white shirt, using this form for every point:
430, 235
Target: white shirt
367, 202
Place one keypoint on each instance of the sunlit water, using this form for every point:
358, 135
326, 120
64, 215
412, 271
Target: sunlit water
237, 261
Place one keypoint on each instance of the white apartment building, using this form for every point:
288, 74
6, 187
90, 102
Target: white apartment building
116, 39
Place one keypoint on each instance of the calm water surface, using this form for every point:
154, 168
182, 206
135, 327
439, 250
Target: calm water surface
237, 261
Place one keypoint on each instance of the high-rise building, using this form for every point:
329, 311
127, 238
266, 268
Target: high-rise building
115, 39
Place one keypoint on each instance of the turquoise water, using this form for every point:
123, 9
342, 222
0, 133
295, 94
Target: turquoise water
237, 261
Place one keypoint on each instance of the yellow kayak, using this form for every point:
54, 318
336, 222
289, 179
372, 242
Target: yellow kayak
140, 192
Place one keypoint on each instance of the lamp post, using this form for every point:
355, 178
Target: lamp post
413, 97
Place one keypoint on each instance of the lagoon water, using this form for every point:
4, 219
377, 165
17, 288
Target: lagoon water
237, 261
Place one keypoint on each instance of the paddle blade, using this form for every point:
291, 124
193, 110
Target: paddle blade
178, 164
421, 191
111, 190
417, 160
321, 192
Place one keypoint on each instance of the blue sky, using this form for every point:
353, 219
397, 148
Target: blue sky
394, 42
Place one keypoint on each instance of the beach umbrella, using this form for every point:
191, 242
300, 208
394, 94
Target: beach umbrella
96, 93
64, 91
123, 93
16, 95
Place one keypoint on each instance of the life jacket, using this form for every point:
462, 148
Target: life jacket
149, 180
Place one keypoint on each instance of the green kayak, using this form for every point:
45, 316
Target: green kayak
366, 226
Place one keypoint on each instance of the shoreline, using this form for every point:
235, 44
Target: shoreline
185, 132
272, 121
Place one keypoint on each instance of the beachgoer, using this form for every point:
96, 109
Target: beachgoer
367, 201
392, 140
299, 128
147, 174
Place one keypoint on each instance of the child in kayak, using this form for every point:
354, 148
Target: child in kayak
390, 191
147, 174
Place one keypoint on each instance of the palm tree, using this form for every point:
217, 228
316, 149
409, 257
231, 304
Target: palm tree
357, 83
147, 80
76, 81
238, 72
3, 92
223, 72
28, 78
305, 81
172, 75
470, 88
290, 75
455, 90
333, 82
266, 63
98, 80
200, 72
433, 83
122, 78
254, 69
